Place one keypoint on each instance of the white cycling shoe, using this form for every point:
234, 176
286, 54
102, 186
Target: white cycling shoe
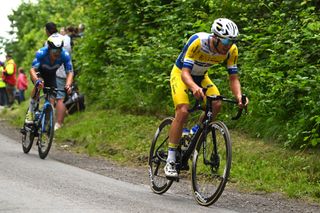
57, 126
170, 170
29, 118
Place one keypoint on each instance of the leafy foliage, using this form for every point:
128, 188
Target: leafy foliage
124, 60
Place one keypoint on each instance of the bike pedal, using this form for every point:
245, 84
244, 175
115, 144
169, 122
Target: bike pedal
29, 124
185, 167
173, 178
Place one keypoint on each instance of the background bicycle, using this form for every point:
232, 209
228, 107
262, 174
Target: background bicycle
43, 125
208, 144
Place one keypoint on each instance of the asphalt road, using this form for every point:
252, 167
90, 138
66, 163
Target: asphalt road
29, 184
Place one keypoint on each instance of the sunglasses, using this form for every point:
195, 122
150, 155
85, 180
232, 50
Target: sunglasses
55, 50
227, 41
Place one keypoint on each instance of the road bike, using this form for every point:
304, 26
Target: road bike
43, 125
209, 149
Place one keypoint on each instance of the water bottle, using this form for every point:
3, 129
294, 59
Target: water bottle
185, 139
194, 130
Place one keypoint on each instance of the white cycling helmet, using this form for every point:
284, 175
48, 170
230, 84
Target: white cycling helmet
55, 41
225, 28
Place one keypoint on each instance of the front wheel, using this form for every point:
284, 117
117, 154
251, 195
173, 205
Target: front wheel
27, 138
211, 163
46, 132
158, 158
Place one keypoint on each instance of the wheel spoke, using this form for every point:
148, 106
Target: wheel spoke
211, 164
158, 157
27, 139
46, 133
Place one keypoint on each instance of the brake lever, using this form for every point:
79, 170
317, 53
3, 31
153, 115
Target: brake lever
196, 106
243, 101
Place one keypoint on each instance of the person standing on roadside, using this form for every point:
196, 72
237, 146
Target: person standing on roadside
61, 82
3, 92
72, 33
51, 28
66, 39
81, 30
9, 77
22, 84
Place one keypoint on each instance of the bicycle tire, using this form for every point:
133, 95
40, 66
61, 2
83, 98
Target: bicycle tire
209, 177
46, 132
27, 138
157, 158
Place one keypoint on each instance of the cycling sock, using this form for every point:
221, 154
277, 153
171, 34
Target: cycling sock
171, 155
172, 152
31, 106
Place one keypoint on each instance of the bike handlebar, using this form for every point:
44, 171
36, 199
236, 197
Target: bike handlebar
52, 89
48, 91
240, 110
197, 105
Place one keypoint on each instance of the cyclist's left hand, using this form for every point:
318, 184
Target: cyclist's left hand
240, 104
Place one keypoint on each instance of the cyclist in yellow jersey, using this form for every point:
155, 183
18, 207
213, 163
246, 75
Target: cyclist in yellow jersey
190, 73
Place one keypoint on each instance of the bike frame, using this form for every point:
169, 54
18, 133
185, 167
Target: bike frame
185, 156
195, 138
41, 118
46, 104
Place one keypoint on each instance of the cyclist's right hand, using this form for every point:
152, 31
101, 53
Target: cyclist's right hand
39, 84
198, 93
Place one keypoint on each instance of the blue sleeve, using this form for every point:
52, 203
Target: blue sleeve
67, 62
232, 70
188, 64
39, 56
190, 48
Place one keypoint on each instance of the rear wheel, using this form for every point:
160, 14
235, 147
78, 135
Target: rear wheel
211, 164
46, 132
158, 157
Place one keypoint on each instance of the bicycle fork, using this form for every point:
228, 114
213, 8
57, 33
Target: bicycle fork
45, 117
214, 160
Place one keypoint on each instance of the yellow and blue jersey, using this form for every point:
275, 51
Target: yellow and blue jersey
198, 57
